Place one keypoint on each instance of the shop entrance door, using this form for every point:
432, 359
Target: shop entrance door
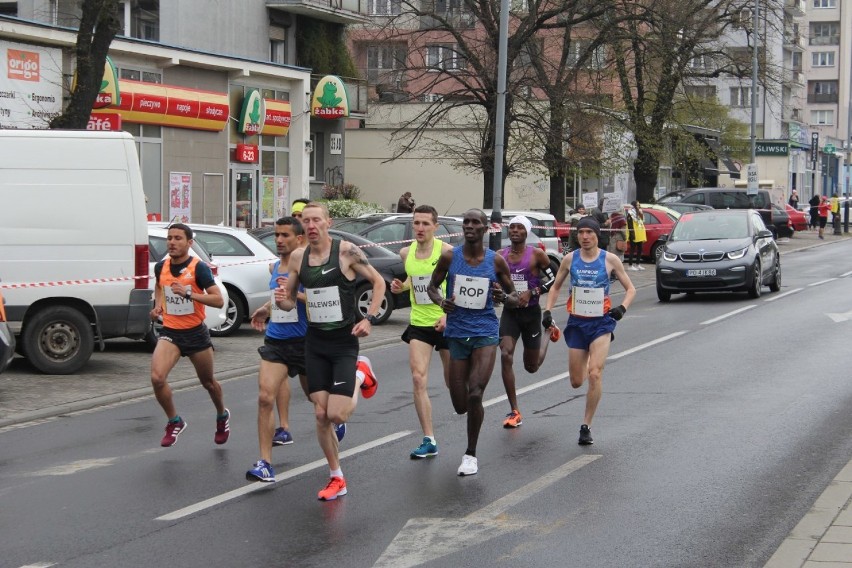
244, 205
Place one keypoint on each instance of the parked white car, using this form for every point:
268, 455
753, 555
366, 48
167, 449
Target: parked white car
544, 226
157, 248
244, 266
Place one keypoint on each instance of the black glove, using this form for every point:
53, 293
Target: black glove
546, 320
617, 312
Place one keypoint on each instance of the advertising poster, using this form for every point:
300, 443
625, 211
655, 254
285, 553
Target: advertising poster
30, 85
282, 196
180, 197
267, 201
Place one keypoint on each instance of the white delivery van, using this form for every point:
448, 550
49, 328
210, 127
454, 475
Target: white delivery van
72, 216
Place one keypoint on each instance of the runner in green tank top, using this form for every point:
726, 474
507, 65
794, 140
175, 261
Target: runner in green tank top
426, 330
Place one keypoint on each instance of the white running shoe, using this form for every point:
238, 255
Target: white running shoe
632, 267
468, 465
640, 267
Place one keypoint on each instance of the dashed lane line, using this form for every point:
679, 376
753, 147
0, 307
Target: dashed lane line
729, 314
657, 341
787, 293
821, 282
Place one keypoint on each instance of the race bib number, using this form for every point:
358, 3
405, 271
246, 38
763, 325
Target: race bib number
282, 316
471, 292
519, 282
418, 286
178, 305
324, 304
587, 302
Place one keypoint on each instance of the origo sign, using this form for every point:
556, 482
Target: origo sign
330, 100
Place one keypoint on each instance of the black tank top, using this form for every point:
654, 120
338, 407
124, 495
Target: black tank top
317, 280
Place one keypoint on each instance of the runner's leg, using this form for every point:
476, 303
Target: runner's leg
419, 356
203, 363
598, 351
481, 367
270, 379
507, 360
165, 357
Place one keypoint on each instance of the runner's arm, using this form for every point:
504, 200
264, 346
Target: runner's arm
285, 297
438, 277
546, 276
561, 275
614, 264
509, 295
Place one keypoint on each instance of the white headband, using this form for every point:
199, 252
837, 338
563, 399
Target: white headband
521, 220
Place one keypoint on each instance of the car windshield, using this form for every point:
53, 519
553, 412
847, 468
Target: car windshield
710, 227
354, 225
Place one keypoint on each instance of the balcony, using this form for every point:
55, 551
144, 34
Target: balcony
356, 91
385, 78
461, 19
823, 97
795, 8
335, 11
825, 40
794, 42
792, 114
793, 77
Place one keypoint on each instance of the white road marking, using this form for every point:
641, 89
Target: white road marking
74, 467
526, 389
838, 318
729, 314
845, 274
422, 540
40, 565
821, 282
246, 489
779, 296
633, 350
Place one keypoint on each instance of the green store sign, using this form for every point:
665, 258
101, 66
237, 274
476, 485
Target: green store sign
772, 148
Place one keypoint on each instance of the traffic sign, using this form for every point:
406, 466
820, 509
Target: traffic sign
752, 179
829, 148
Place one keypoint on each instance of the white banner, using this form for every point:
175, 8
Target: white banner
30, 85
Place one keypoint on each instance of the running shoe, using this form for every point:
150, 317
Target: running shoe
262, 471
555, 334
173, 430
513, 420
468, 465
223, 428
640, 267
633, 267
340, 431
425, 450
336, 487
585, 436
281, 437
370, 384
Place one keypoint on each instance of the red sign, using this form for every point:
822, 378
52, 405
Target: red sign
23, 65
106, 122
247, 153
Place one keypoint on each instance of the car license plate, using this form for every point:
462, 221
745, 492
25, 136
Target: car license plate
701, 272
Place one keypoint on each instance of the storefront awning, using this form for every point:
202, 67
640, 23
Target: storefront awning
730, 166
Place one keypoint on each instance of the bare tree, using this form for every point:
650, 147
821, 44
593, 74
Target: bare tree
99, 24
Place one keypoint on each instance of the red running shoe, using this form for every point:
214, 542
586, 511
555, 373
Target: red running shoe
223, 428
173, 430
370, 385
336, 488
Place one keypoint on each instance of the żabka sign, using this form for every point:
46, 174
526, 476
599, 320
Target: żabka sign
253, 114
330, 100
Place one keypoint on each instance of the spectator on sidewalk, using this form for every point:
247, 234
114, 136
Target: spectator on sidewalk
794, 200
405, 203
573, 219
814, 211
635, 236
603, 220
824, 208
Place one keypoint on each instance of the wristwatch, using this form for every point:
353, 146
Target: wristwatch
372, 319
188, 295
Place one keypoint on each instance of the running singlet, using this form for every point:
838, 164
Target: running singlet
178, 311
283, 324
474, 315
589, 287
522, 273
330, 295
424, 312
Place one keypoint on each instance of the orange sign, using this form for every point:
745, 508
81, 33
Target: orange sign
23, 65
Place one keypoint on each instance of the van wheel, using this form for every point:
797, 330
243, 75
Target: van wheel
58, 340
234, 316
363, 298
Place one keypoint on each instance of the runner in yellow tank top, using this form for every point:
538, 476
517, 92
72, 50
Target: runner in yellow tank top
425, 331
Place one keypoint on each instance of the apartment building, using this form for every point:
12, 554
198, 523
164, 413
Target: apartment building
218, 100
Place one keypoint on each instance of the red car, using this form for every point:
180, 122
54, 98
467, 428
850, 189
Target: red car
798, 219
658, 220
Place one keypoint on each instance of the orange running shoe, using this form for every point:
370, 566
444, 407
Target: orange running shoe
336, 487
370, 385
513, 420
555, 334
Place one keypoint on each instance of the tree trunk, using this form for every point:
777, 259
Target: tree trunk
645, 171
557, 195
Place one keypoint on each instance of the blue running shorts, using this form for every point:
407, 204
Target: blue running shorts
580, 332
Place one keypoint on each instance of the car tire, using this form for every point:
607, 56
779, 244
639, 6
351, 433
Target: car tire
657, 251
235, 314
554, 265
58, 340
756, 287
363, 298
662, 294
153, 336
775, 285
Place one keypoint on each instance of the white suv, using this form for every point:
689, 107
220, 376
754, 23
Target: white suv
544, 227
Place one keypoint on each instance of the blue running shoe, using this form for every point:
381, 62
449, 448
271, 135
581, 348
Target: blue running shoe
281, 437
340, 430
425, 450
262, 471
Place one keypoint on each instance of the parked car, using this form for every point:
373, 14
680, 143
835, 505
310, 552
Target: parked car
775, 218
712, 251
7, 338
544, 227
395, 232
386, 262
157, 248
671, 197
682, 207
798, 219
244, 266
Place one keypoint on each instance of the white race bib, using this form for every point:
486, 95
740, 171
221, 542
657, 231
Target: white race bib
472, 292
178, 305
282, 316
418, 286
587, 302
324, 304
519, 282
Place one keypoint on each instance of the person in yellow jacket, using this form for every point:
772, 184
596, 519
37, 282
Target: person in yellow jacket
835, 210
635, 236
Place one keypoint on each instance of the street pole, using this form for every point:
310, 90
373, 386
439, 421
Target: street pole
500, 125
754, 86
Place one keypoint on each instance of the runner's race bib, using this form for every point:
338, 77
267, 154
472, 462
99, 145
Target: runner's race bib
419, 285
324, 304
178, 305
587, 302
519, 282
471, 292
282, 316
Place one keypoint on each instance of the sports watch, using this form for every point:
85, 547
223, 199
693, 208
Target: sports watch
372, 319
188, 295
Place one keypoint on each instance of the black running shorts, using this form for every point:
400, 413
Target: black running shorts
189, 341
331, 357
522, 322
426, 334
288, 352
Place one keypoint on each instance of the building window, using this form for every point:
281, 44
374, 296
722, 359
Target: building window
385, 64
741, 96
822, 117
706, 92
444, 56
825, 3
823, 59
594, 60
140, 75
277, 51
825, 33
384, 7
700, 63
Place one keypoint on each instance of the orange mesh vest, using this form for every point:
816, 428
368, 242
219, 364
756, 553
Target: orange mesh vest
178, 312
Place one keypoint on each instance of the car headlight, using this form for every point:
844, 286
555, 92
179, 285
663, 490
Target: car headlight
669, 256
734, 255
